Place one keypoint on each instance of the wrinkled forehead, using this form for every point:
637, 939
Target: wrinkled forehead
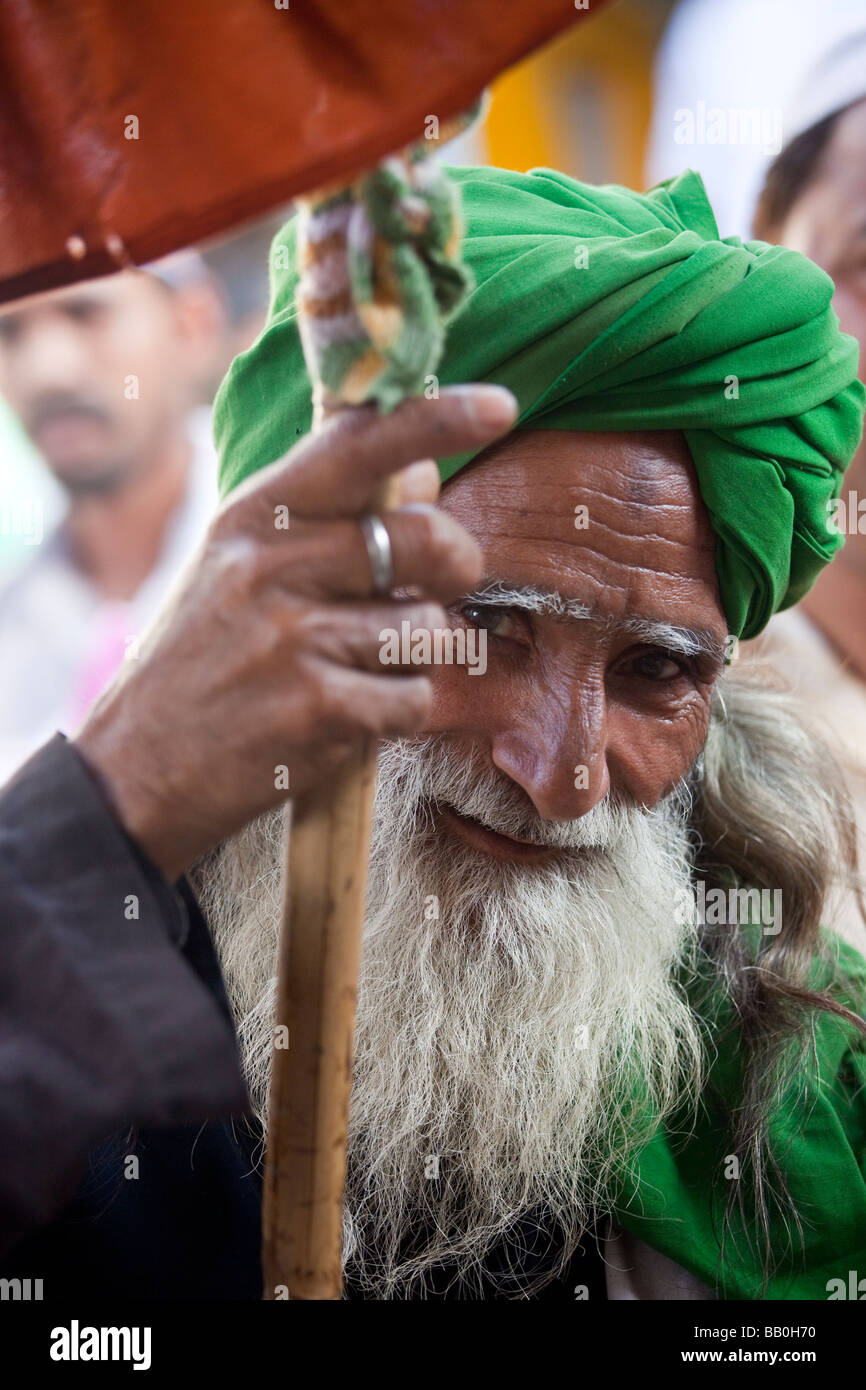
612, 520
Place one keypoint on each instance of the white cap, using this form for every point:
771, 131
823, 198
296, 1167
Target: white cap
836, 80
750, 55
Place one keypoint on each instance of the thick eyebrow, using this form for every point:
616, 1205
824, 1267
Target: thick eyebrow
672, 637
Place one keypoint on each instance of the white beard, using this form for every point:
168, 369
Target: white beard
520, 1030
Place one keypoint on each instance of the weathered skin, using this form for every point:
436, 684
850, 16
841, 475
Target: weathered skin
267, 656
559, 694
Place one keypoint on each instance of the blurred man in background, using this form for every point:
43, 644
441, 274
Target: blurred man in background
726, 78
814, 200
106, 377
722, 90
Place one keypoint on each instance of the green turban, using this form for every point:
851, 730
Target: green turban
604, 309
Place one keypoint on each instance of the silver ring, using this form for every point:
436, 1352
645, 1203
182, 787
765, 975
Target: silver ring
378, 543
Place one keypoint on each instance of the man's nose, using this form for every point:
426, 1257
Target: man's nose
52, 357
556, 750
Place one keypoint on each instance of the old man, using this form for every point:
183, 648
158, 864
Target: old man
604, 1047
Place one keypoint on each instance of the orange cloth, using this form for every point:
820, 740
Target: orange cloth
127, 131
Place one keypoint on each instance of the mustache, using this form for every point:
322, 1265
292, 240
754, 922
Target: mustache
435, 773
56, 405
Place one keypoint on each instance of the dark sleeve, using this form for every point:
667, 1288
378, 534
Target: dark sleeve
103, 1021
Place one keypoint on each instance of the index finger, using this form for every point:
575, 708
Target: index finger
338, 470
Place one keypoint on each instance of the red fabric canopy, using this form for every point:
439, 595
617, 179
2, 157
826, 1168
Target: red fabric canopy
128, 130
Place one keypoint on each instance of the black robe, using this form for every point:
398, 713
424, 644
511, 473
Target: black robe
115, 1023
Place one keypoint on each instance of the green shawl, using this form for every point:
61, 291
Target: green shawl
675, 1199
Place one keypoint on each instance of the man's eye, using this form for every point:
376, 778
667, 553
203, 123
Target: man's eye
499, 622
84, 311
659, 665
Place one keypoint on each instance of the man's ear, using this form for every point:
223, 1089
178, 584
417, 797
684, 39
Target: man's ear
200, 312
763, 229
201, 325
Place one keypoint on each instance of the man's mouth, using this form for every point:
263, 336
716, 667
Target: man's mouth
493, 842
63, 429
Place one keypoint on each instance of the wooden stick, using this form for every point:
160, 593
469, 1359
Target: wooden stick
317, 984
320, 937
